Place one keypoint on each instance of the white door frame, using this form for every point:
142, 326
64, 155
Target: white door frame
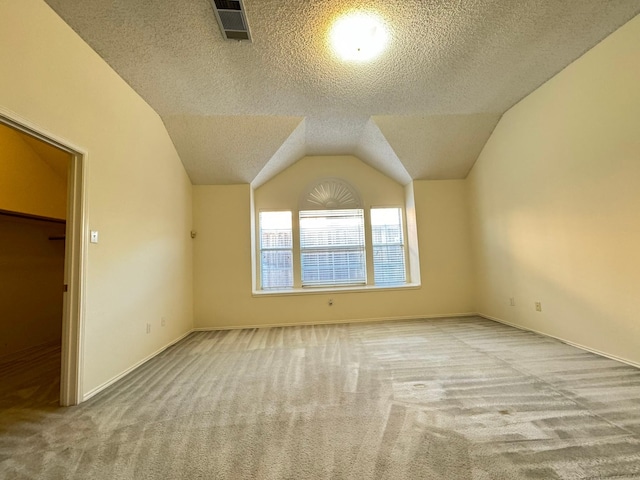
71, 391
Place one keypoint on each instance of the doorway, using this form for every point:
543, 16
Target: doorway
52, 244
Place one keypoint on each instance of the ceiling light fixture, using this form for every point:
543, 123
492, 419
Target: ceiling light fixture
358, 37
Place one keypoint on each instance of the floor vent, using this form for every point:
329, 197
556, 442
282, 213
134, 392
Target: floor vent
232, 19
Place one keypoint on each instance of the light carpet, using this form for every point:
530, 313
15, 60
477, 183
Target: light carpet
461, 398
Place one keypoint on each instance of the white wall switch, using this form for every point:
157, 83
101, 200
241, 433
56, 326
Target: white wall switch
94, 236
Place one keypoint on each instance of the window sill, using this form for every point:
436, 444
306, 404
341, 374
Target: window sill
324, 290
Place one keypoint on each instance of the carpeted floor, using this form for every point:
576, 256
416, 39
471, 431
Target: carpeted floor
462, 398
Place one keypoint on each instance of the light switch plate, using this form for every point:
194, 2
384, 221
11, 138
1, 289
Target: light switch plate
94, 236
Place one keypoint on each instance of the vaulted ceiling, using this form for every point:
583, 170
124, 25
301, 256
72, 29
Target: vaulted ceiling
240, 112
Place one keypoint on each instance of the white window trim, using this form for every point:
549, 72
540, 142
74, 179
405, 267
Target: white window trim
338, 289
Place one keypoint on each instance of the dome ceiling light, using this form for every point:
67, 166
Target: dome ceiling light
358, 37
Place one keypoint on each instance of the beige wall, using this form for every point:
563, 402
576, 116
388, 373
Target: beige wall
285, 189
28, 184
139, 196
555, 204
222, 265
31, 278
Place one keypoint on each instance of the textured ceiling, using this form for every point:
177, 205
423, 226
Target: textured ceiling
241, 112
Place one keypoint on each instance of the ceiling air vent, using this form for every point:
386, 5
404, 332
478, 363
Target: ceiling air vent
232, 19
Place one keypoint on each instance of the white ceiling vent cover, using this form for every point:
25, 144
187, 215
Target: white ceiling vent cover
232, 19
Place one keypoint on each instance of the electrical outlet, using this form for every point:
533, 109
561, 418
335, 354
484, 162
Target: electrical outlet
330, 302
538, 307
148, 328
512, 301
163, 321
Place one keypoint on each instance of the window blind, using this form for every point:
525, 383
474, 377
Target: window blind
388, 246
276, 250
332, 247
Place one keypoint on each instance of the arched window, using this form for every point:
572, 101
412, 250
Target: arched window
330, 231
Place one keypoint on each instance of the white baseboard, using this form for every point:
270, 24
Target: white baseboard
563, 340
113, 380
333, 322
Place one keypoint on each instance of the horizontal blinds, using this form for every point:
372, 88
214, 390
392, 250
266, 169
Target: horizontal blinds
332, 228
332, 247
388, 246
276, 250
275, 230
276, 269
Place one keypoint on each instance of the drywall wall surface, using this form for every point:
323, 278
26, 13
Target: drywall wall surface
138, 194
285, 190
412, 234
31, 279
222, 256
555, 204
445, 244
222, 265
28, 184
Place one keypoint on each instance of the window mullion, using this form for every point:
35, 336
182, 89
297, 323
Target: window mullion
368, 240
297, 268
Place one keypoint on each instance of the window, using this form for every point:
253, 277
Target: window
388, 246
332, 247
276, 250
331, 240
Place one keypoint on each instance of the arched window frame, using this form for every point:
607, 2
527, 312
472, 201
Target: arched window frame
332, 194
